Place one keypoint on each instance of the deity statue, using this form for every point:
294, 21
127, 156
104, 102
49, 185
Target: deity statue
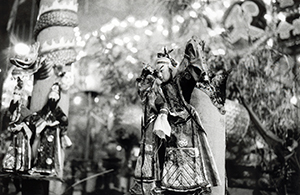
175, 156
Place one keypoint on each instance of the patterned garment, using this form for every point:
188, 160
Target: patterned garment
183, 162
18, 155
49, 158
45, 161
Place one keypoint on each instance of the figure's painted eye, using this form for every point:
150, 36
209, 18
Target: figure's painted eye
160, 55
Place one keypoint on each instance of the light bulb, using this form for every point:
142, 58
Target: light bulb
294, 100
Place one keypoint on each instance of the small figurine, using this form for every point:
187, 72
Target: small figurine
51, 126
18, 155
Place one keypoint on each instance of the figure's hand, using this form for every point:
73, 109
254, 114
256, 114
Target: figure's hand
17, 127
52, 124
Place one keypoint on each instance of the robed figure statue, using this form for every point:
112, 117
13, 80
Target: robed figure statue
175, 156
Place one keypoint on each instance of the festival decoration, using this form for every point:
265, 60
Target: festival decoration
54, 19
288, 25
245, 22
57, 46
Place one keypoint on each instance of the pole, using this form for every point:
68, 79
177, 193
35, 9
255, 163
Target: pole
88, 128
87, 140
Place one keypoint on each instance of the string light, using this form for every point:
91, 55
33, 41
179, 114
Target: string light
129, 45
153, 19
106, 28
175, 28
22, 49
134, 50
281, 16
219, 30
118, 41
117, 96
165, 32
77, 33
160, 28
81, 43
115, 22
96, 99
76, 29
221, 51
180, 19
138, 24
126, 39
268, 17
131, 19
102, 37
294, 100
77, 100
130, 75
148, 32
193, 14
270, 42
78, 39
145, 23
298, 58
109, 45
95, 33
123, 24
131, 59
160, 21
226, 4
87, 36
111, 114
137, 37
118, 148
196, 5
267, 2
80, 55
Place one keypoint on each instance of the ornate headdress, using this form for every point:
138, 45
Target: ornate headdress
166, 54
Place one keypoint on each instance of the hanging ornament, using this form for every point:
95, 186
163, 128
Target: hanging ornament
27, 62
288, 26
245, 22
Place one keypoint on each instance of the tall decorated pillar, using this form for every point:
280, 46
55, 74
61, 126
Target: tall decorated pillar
54, 31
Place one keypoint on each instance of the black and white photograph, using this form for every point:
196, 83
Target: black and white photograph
150, 97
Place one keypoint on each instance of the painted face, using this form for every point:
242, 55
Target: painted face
17, 96
54, 93
163, 68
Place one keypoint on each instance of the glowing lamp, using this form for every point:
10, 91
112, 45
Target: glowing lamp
22, 49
